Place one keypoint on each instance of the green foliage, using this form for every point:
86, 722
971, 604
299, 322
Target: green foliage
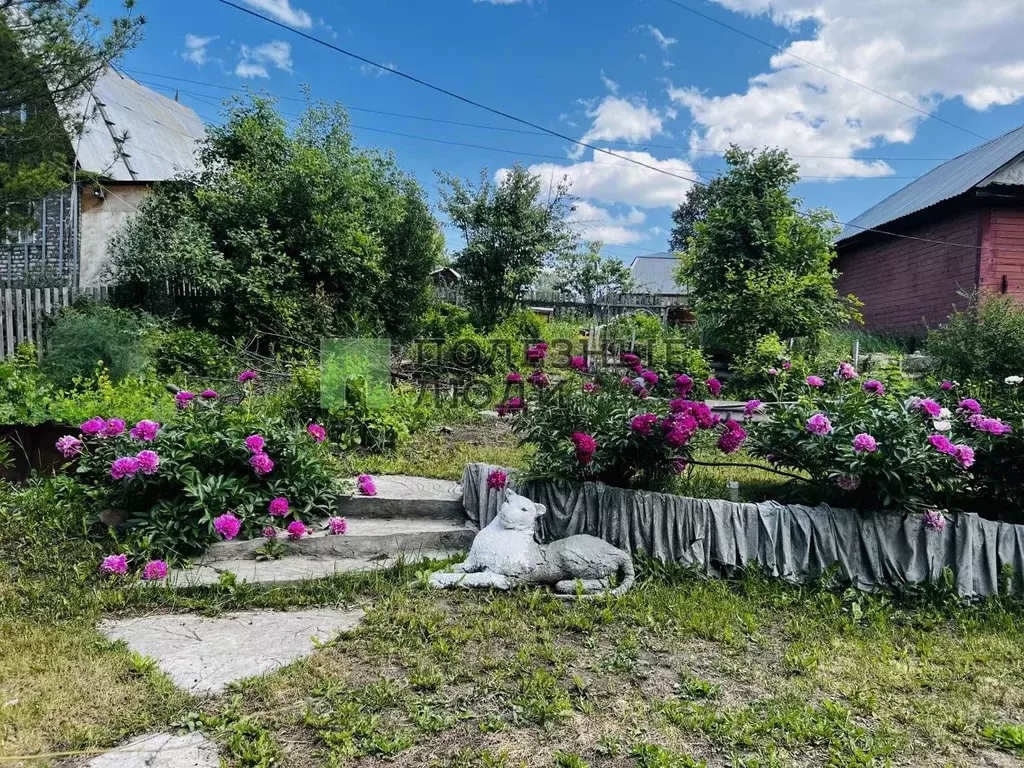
91, 335
180, 349
659, 346
443, 320
510, 229
294, 234
1008, 736
985, 341
588, 276
756, 264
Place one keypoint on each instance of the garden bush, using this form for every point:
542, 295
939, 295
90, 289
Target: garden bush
83, 336
984, 341
182, 349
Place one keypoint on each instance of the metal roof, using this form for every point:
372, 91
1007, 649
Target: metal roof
952, 178
653, 274
159, 134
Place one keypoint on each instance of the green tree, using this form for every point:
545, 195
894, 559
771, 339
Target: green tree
294, 232
510, 229
756, 264
588, 276
694, 209
51, 53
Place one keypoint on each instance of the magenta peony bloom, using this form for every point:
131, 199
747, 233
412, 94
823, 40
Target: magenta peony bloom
786, 365
585, 444
538, 378
679, 466
255, 443
270, 532
750, 408
864, 443
278, 507
589, 386
183, 399
126, 466
296, 530
93, 426
678, 437
815, 381
629, 359
929, 406
245, 376
846, 372
964, 455
366, 485
145, 430
933, 520
714, 385
578, 363
992, 426
209, 394
537, 352
317, 432
514, 378
496, 480
227, 525
155, 570
261, 463
819, 424
113, 428
848, 482
512, 405
337, 525
149, 461
684, 384
732, 438
114, 565
874, 387
70, 446
650, 377
969, 405
946, 386
644, 423
773, 371
942, 444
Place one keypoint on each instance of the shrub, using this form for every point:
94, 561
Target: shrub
983, 341
89, 334
443, 320
203, 465
181, 349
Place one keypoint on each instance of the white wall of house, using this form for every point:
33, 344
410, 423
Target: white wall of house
101, 217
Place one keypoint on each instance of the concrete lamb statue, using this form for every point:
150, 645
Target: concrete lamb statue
505, 554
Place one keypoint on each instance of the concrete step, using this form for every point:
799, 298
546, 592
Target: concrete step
366, 538
407, 497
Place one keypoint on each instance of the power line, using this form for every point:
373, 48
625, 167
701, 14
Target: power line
809, 63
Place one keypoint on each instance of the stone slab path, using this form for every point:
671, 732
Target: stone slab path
203, 655
161, 750
405, 496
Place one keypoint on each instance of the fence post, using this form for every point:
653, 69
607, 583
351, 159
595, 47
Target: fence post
856, 354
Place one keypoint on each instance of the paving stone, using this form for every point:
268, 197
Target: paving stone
161, 750
202, 655
407, 496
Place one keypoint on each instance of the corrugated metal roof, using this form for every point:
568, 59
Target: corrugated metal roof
952, 178
162, 134
653, 274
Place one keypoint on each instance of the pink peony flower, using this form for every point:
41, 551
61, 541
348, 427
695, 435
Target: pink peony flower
815, 381
848, 482
864, 443
964, 455
70, 446
114, 565
934, 520
846, 372
145, 431
677, 437
942, 444
585, 444
589, 386
366, 485
786, 365
644, 423
317, 432
650, 377
538, 378
536, 353
946, 386
255, 443
337, 525
751, 407
209, 394
578, 363
261, 463
113, 428
819, 424
149, 461
184, 399
514, 378
227, 525
684, 384
296, 530
874, 387
679, 466
93, 426
496, 480
245, 376
969, 405
714, 385
732, 438
929, 406
154, 570
629, 359
126, 466
270, 532
992, 426
278, 507
773, 371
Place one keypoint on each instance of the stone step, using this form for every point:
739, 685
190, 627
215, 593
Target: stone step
408, 497
367, 538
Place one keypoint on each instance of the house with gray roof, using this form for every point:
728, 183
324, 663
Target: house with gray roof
655, 288
915, 256
133, 138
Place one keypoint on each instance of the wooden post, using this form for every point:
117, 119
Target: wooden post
856, 355
8, 322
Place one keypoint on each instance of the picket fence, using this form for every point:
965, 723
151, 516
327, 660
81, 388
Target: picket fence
24, 310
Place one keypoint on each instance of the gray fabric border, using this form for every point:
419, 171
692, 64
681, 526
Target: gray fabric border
788, 541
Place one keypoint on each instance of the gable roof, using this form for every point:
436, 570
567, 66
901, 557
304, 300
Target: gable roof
653, 274
162, 134
952, 178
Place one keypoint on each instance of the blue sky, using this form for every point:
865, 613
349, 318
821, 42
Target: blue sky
644, 78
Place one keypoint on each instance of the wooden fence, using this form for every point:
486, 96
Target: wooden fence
23, 312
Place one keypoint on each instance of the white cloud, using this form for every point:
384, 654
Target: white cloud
195, 48
664, 41
610, 84
596, 223
254, 61
282, 11
609, 180
616, 118
368, 70
918, 51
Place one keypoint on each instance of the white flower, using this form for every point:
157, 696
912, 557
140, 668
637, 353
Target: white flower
941, 422
1013, 380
